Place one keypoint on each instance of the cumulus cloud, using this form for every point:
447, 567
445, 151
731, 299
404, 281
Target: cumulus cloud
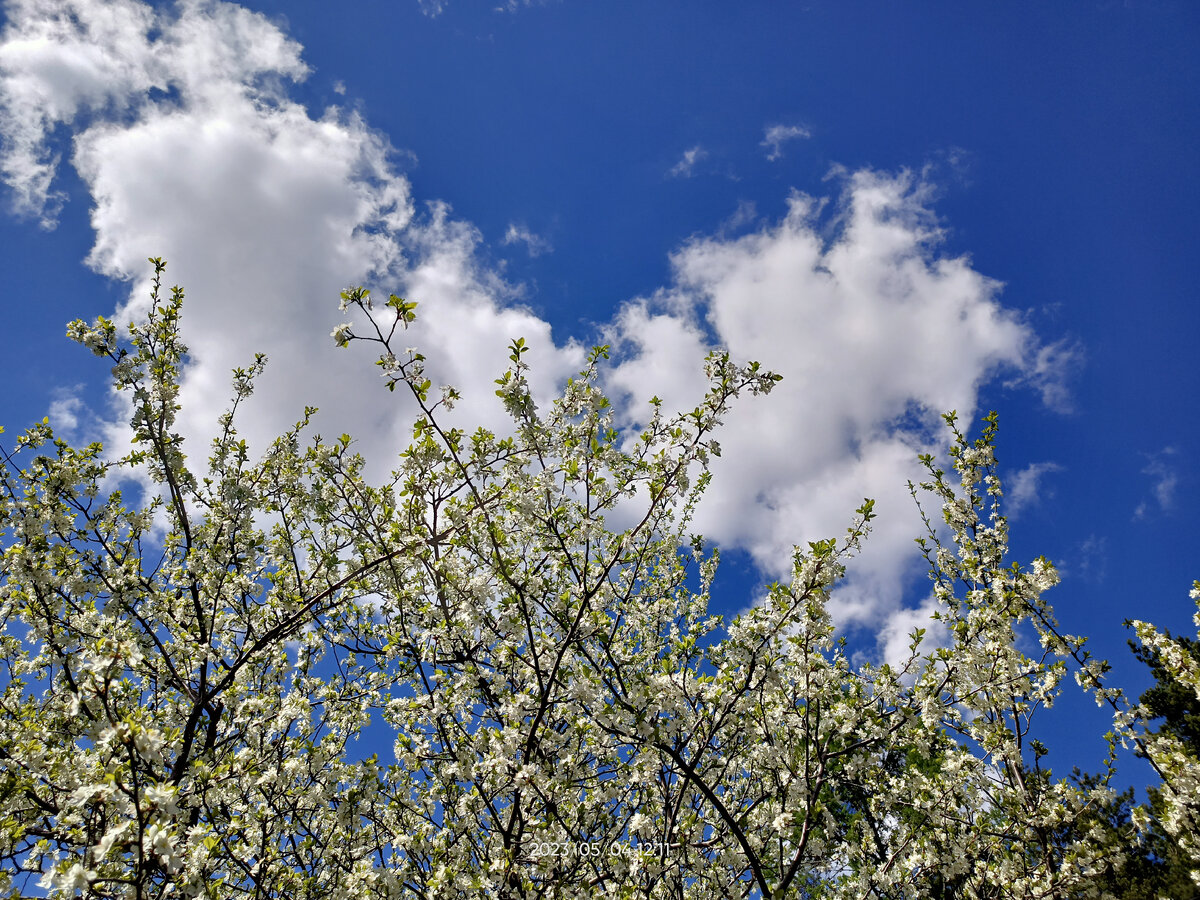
1164, 475
775, 136
181, 125
63, 62
686, 167
263, 211
1024, 489
875, 335
896, 635
535, 244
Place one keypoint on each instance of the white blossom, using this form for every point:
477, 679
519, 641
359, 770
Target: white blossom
185, 705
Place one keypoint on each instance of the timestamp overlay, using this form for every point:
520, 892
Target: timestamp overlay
543, 849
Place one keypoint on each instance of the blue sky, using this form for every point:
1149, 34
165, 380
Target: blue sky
900, 207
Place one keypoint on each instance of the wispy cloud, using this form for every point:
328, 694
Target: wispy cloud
513, 6
1092, 560
1051, 372
535, 244
1024, 489
745, 214
1164, 474
775, 136
686, 167
65, 410
434, 8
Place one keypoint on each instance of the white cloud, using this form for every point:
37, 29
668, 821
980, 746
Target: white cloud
1022, 490
51, 71
263, 211
1050, 371
875, 335
535, 244
686, 167
1165, 476
745, 214
513, 6
1091, 560
65, 410
775, 136
896, 635
266, 211
434, 8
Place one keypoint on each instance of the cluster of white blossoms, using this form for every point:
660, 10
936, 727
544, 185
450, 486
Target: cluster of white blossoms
1180, 770
561, 715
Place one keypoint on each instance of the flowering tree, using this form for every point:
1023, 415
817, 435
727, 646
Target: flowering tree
1156, 864
186, 680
